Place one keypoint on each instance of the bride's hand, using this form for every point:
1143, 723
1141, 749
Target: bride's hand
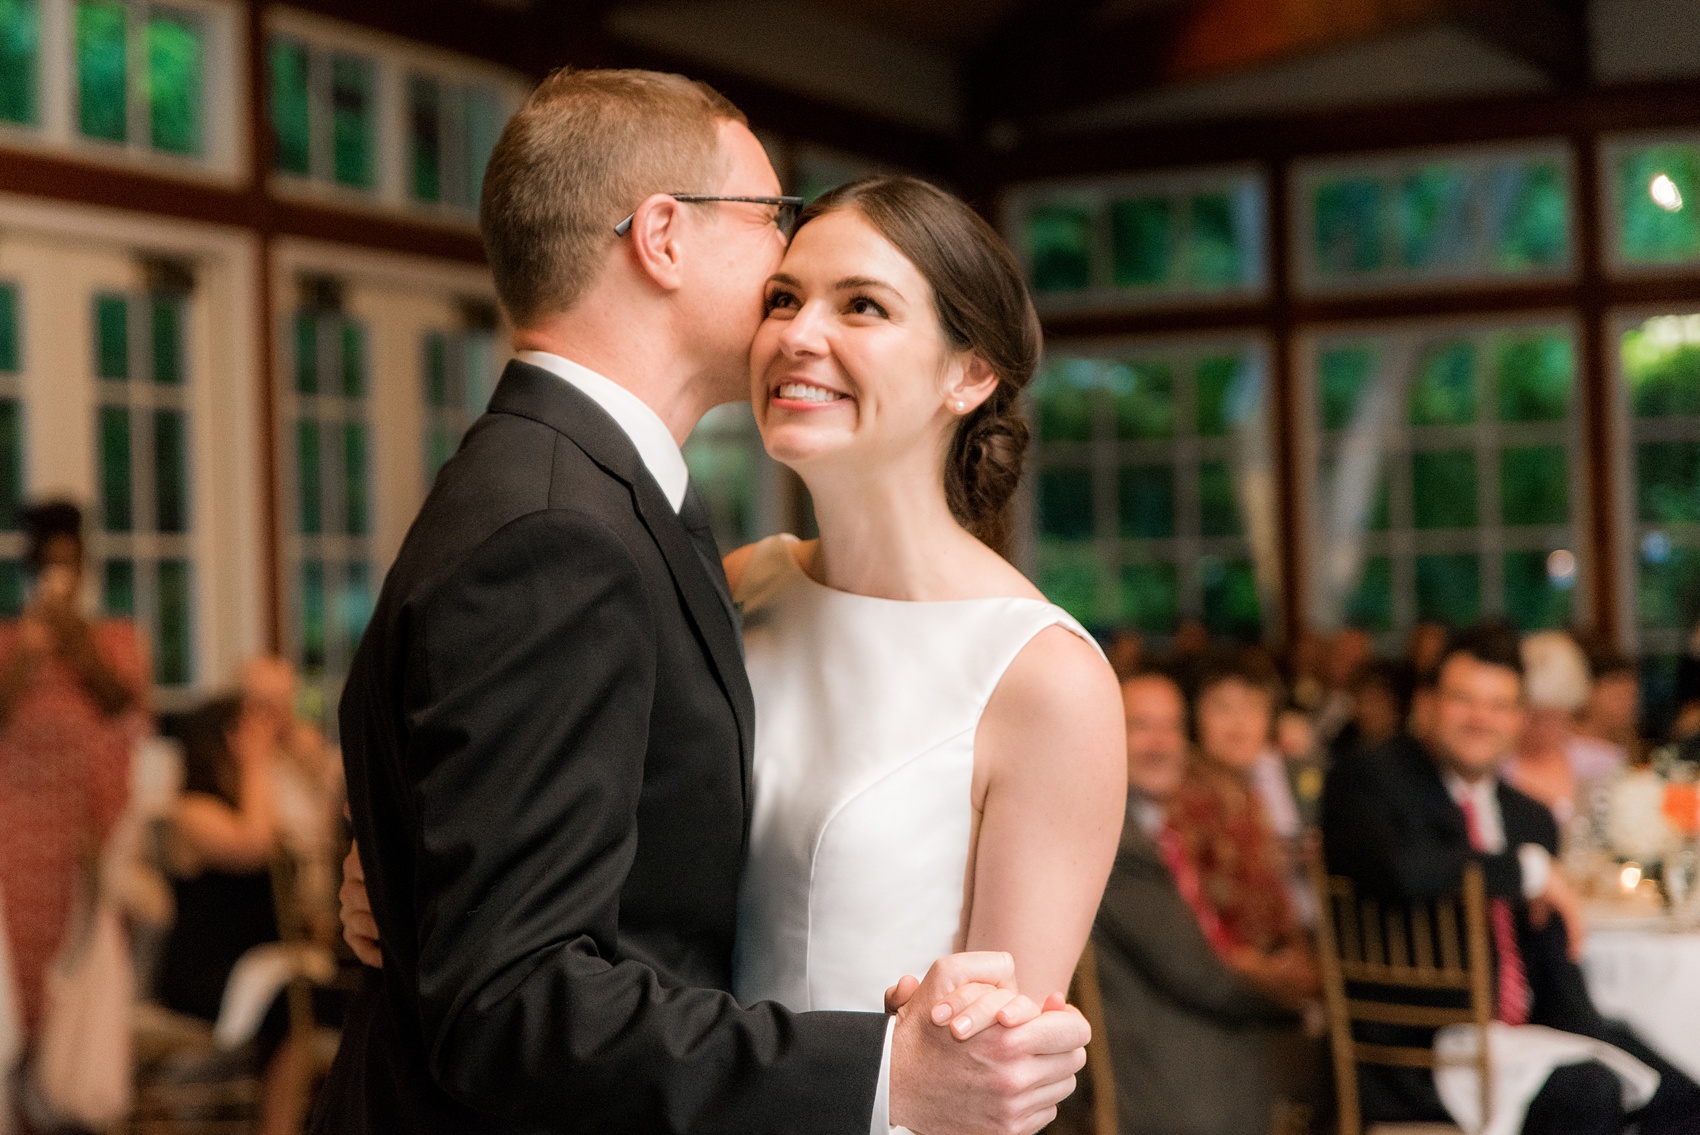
972, 1009
359, 928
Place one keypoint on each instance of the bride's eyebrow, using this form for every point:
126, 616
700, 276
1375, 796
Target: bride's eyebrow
851, 283
785, 280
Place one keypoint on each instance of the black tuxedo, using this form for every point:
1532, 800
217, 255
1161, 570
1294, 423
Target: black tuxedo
1390, 824
547, 729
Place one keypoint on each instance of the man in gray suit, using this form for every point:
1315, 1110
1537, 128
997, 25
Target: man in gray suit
1188, 1035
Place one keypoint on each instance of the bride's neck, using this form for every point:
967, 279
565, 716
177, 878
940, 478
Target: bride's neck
886, 533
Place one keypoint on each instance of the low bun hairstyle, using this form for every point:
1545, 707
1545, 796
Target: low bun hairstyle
983, 307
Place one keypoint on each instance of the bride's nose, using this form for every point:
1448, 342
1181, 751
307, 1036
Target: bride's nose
804, 334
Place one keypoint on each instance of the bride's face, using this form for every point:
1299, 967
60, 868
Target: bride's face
850, 361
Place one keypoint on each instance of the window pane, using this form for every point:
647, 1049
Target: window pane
8, 329
439, 447
1150, 597
312, 615
1147, 501
1449, 589
1344, 372
354, 483
1668, 591
1371, 605
354, 607
112, 336
1142, 241
1534, 375
1667, 481
118, 587
722, 469
1444, 393
171, 470
353, 360
306, 353
1069, 576
1531, 200
457, 170
1443, 489
20, 39
1658, 191
1218, 511
1065, 503
167, 340
291, 123
351, 120
1661, 363
11, 588
1059, 240
424, 122
307, 476
1347, 218
1214, 389
1065, 397
1145, 400
1213, 256
1534, 485
1432, 218
102, 70
11, 463
172, 649
115, 469
436, 370
484, 122
1231, 605
175, 61
1534, 600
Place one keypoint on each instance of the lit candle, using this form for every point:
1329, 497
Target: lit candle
1629, 878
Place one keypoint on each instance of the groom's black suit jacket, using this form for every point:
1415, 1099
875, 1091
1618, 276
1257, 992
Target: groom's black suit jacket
547, 729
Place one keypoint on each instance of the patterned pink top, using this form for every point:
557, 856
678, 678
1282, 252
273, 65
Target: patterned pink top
64, 780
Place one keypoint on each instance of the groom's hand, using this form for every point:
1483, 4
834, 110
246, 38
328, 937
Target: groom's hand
1004, 1081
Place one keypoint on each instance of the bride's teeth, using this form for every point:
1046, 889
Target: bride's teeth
802, 392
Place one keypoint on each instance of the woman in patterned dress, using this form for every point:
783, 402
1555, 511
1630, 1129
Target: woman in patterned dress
72, 696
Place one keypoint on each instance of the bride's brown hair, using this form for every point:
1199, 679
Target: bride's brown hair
983, 307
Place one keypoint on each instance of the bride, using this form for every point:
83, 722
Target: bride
939, 756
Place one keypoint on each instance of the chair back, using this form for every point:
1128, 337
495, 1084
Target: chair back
1415, 951
1090, 1001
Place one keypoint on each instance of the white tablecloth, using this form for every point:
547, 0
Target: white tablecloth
1650, 978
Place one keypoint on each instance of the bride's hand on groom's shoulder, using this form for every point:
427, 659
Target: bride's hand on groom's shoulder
953, 1074
359, 927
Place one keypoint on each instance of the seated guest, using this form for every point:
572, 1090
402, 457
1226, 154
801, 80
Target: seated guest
1613, 710
1177, 1014
1381, 708
1403, 824
1348, 650
1552, 761
1222, 814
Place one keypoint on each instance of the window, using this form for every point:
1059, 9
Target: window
328, 507
20, 46
1416, 219
738, 482
140, 75
11, 457
323, 109
142, 448
459, 370
1654, 190
1660, 364
1160, 237
1149, 462
452, 128
1445, 484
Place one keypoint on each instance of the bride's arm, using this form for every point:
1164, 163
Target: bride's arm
1050, 787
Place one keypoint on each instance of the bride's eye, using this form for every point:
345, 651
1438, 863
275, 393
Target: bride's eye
777, 300
862, 305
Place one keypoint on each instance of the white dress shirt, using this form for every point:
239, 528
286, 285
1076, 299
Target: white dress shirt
1490, 829
666, 463
648, 433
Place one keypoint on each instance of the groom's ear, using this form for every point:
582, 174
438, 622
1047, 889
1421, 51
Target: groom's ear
975, 381
655, 236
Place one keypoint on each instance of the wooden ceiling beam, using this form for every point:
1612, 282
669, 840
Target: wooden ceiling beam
1550, 35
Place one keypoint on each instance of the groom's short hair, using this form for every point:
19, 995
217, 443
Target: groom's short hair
586, 148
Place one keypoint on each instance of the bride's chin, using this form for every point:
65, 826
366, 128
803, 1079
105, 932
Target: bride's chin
793, 444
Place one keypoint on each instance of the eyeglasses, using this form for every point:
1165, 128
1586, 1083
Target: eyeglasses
786, 215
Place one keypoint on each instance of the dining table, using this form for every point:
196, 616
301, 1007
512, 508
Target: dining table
1643, 968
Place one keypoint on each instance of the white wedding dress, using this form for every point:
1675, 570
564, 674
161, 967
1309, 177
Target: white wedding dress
866, 711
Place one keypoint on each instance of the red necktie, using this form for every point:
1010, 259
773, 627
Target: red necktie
1192, 888
1513, 1006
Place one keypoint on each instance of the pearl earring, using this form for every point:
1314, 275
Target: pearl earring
961, 405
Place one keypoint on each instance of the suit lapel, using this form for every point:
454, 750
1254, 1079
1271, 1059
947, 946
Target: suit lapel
535, 393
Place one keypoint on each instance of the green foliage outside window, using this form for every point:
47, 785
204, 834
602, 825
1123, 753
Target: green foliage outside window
9, 351
1667, 476
118, 587
11, 588
1070, 576
1449, 589
1534, 376
1149, 597
1160, 241
1146, 501
1661, 364
1231, 604
1371, 605
112, 336
1059, 247
172, 649
1347, 219
1535, 232
1065, 503
102, 69
167, 339
1343, 374
1144, 394
1064, 395
1443, 488
116, 509
11, 463
1218, 510
307, 477
1142, 241
176, 60
1667, 593
1444, 393
1533, 599
352, 144
1648, 231
1534, 485
425, 138
312, 615
291, 106
20, 46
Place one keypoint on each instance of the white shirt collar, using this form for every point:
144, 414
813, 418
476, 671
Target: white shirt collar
1146, 812
648, 433
1484, 796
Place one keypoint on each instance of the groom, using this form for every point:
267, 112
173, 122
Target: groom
547, 726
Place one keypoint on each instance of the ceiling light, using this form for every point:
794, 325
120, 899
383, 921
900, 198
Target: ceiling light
1664, 193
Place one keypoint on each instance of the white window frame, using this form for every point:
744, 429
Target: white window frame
1613, 147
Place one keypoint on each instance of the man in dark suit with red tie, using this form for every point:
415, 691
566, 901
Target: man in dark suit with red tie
1404, 822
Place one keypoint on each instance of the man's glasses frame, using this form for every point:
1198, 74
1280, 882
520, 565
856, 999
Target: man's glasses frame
788, 208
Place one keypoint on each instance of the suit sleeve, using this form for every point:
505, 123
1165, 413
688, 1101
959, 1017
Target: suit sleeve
1379, 830
530, 676
1144, 920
